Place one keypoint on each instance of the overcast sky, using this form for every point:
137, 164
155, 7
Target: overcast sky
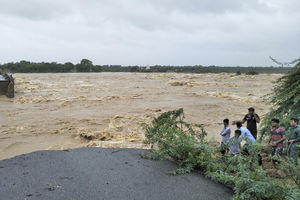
148, 32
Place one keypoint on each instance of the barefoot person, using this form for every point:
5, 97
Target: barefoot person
252, 119
294, 140
277, 137
225, 133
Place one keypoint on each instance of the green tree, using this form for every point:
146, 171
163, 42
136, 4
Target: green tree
86, 64
285, 99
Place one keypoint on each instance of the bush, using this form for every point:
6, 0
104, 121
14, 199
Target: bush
171, 137
252, 73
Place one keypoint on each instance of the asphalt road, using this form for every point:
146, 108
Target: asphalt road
97, 173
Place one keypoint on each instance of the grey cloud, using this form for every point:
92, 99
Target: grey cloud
34, 9
230, 32
153, 15
206, 6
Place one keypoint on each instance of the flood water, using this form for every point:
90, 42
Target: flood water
61, 111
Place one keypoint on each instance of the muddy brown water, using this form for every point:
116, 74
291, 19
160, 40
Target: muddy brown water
62, 111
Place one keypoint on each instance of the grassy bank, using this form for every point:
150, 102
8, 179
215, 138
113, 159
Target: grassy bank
173, 138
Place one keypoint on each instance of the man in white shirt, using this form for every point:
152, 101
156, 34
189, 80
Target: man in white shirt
225, 133
234, 143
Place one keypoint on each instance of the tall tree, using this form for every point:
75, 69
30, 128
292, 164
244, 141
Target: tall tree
285, 99
87, 64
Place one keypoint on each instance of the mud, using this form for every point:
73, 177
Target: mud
62, 111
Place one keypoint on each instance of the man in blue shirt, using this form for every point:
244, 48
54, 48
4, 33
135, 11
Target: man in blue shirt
245, 132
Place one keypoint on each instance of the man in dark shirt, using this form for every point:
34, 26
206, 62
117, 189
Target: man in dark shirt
294, 140
252, 119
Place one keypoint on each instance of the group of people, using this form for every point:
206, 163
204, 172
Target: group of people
249, 133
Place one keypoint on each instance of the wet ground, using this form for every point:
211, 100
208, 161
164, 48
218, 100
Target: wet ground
96, 173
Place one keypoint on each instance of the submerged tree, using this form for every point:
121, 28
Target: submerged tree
285, 99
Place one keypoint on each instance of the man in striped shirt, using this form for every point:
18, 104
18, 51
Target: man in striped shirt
277, 137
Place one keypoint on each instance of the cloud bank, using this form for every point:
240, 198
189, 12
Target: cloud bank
148, 32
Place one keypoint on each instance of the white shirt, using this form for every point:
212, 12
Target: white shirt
225, 133
234, 145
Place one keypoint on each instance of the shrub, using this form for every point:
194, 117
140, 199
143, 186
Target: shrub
171, 137
252, 73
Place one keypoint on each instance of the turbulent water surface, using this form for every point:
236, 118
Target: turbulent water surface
61, 111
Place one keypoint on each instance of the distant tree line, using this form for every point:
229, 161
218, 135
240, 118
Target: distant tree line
87, 66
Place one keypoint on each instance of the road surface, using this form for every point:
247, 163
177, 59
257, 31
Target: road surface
98, 173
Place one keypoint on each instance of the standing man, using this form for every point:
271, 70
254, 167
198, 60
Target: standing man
252, 119
294, 140
225, 133
277, 137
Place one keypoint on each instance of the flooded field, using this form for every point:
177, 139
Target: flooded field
62, 111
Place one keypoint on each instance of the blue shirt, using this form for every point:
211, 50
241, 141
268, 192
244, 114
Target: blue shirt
247, 133
225, 133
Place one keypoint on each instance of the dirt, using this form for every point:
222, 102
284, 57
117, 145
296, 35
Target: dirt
62, 111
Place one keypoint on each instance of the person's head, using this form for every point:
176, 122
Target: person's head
226, 122
251, 111
237, 133
275, 122
294, 122
239, 125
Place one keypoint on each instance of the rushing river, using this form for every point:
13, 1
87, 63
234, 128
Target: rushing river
60, 111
